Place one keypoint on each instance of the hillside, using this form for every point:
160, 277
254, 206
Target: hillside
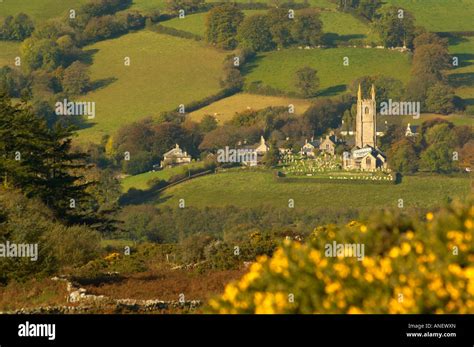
251, 189
156, 81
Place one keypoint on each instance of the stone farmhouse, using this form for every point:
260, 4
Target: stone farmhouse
175, 156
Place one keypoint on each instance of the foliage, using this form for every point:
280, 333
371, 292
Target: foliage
39, 161
409, 266
221, 25
254, 33
75, 79
396, 27
16, 28
29, 221
307, 81
440, 99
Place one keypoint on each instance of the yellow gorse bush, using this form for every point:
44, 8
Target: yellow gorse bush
410, 265
112, 256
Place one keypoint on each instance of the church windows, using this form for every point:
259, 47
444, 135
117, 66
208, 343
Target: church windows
366, 110
368, 161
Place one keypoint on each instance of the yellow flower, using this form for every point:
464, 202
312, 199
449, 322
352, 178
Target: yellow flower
394, 252
405, 248
112, 256
279, 263
429, 216
363, 229
369, 277
409, 235
354, 310
331, 288
230, 292
454, 269
368, 262
468, 223
452, 291
342, 270
419, 248
269, 303
315, 256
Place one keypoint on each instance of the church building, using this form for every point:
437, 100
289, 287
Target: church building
365, 155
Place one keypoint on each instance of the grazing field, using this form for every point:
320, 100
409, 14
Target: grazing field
141, 181
462, 77
439, 15
346, 27
277, 69
8, 52
157, 79
251, 189
148, 5
225, 109
457, 119
196, 23
39, 10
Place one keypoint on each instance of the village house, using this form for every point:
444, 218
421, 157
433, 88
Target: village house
328, 145
175, 156
261, 149
309, 147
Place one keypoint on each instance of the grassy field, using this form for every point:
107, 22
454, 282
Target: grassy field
224, 109
277, 69
157, 79
251, 189
39, 10
8, 52
148, 5
347, 27
456, 119
341, 26
196, 23
439, 15
462, 77
140, 181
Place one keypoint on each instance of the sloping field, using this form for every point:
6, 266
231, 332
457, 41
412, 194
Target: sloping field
164, 72
225, 109
278, 68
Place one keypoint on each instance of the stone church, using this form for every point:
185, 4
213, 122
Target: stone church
365, 155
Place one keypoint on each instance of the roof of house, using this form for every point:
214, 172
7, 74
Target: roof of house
176, 152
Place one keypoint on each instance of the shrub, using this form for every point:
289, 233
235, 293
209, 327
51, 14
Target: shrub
410, 265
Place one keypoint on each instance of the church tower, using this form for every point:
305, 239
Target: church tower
366, 120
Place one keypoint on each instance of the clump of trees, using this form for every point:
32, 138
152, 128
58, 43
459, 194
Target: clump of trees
147, 140
226, 27
396, 27
365, 8
222, 23
439, 147
428, 83
40, 162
